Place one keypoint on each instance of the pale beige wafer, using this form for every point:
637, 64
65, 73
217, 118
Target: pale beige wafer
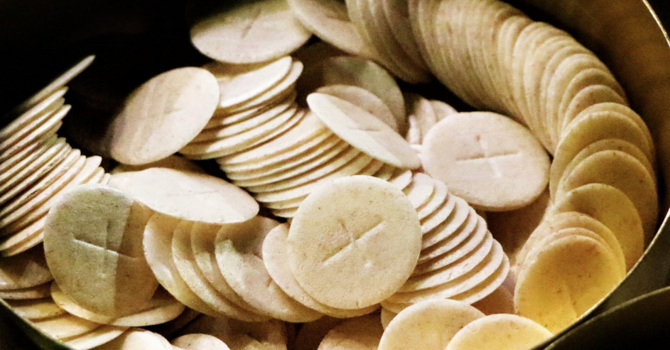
287, 204
311, 333
472, 232
361, 166
401, 178
624, 172
276, 260
33, 172
358, 72
51, 183
420, 191
36, 309
592, 95
499, 332
350, 250
590, 127
136, 338
15, 163
162, 307
611, 207
316, 167
92, 230
385, 172
243, 269
348, 156
360, 333
51, 88
254, 32
36, 292
96, 337
329, 20
25, 270
564, 279
240, 142
238, 335
243, 126
309, 129
364, 99
188, 195
45, 128
420, 114
282, 91
587, 78
558, 221
455, 214
428, 325
157, 243
199, 341
31, 119
65, 326
182, 254
455, 248
500, 301
450, 271
223, 118
604, 145
512, 166
397, 15
576, 231
240, 83
512, 228
413, 70
387, 316
202, 244
564, 73
628, 112
468, 281
363, 131
436, 200
90, 173
287, 213
163, 115
24, 239
487, 286
172, 162
322, 151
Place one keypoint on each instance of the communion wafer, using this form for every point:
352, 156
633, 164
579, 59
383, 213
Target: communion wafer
163, 115
199, 341
36, 292
361, 333
182, 255
188, 195
36, 309
161, 308
243, 269
249, 32
363, 131
428, 325
500, 301
96, 337
276, 260
94, 230
564, 279
499, 332
611, 207
267, 335
363, 223
364, 99
487, 159
136, 338
25, 270
240, 83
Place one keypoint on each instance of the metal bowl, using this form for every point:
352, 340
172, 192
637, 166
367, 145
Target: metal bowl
626, 34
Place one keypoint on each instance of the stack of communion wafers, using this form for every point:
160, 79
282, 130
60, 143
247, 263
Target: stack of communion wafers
373, 195
37, 166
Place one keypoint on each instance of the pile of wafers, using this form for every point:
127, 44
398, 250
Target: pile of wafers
350, 213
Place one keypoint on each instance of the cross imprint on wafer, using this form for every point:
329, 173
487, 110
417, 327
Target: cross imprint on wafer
250, 22
489, 158
354, 238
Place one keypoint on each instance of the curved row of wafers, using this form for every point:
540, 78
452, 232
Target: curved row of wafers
37, 165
